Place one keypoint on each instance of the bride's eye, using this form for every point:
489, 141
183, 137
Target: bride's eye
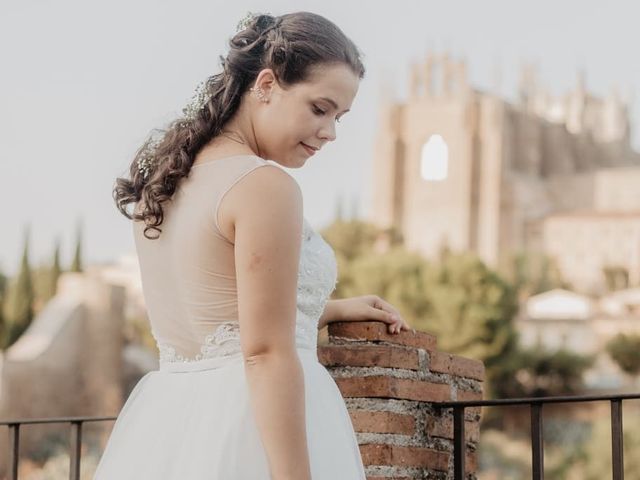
318, 111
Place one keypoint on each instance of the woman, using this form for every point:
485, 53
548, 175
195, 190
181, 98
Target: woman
236, 281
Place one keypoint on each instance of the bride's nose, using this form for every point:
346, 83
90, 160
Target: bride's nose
328, 132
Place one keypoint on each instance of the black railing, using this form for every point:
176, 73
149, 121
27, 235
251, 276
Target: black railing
537, 444
459, 440
75, 441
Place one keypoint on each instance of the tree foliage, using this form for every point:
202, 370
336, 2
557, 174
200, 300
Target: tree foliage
76, 264
458, 298
18, 308
532, 273
538, 373
625, 351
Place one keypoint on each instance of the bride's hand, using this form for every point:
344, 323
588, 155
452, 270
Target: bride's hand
371, 307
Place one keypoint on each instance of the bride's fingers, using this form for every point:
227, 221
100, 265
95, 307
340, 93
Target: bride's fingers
396, 323
386, 306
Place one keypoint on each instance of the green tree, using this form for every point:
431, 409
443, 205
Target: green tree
395, 275
625, 351
45, 279
76, 265
470, 308
3, 295
339, 209
467, 305
19, 305
532, 272
538, 373
351, 238
56, 269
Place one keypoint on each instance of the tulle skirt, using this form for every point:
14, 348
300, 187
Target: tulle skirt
194, 421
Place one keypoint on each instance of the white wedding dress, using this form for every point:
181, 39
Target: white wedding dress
192, 419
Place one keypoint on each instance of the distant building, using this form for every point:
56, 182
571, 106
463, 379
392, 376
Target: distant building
593, 247
560, 319
458, 166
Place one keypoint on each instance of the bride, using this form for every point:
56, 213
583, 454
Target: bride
235, 280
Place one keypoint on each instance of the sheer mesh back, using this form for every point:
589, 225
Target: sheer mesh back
188, 273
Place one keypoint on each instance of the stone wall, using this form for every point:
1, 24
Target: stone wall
390, 383
67, 363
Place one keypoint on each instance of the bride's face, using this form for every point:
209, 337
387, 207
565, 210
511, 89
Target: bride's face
304, 114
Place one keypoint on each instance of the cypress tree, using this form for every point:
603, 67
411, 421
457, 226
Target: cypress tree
3, 296
55, 269
339, 211
76, 265
19, 305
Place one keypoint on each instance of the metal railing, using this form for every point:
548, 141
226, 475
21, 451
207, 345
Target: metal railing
75, 441
459, 440
537, 444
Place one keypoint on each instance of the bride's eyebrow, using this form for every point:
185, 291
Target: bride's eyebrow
334, 104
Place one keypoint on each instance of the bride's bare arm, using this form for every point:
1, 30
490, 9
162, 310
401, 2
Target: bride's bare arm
266, 211
331, 313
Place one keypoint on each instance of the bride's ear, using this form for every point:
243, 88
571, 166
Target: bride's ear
266, 81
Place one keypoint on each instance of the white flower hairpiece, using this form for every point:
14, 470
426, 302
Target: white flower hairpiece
246, 20
147, 159
201, 94
198, 100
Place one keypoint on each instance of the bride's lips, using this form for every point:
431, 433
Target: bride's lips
309, 150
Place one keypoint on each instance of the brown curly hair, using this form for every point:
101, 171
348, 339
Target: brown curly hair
289, 44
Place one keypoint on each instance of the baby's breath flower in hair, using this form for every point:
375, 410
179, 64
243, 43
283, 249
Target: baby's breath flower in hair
202, 94
147, 159
198, 100
246, 20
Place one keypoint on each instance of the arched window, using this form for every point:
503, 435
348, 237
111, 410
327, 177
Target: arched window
434, 163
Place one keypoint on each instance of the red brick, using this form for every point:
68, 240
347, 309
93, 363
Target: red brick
382, 422
468, 395
389, 356
382, 386
471, 461
404, 456
442, 427
376, 477
441, 362
377, 331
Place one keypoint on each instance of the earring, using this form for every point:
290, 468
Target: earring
259, 93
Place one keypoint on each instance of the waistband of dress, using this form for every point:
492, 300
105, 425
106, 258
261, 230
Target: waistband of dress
222, 361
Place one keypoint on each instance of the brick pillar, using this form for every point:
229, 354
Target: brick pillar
390, 383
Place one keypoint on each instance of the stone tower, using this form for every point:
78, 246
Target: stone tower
464, 168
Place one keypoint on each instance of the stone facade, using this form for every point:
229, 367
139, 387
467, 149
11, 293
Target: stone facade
583, 244
67, 363
457, 166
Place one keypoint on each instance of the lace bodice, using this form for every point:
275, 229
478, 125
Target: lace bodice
317, 278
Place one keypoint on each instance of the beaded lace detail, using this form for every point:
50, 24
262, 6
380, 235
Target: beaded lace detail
317, 278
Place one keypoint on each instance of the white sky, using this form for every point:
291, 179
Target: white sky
83, 82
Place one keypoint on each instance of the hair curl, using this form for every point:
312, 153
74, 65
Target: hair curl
289, 44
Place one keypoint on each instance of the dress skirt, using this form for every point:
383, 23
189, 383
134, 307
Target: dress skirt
194, 421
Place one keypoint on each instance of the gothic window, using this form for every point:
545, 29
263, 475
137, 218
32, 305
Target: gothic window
435, 159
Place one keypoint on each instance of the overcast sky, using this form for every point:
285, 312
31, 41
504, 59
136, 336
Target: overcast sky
82, 83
